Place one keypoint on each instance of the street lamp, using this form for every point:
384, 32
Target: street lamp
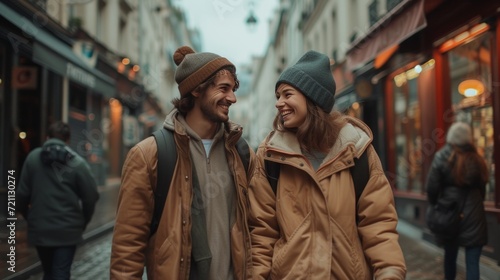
251, 20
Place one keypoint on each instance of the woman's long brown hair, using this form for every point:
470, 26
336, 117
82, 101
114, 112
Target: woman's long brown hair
468, 166
319, 130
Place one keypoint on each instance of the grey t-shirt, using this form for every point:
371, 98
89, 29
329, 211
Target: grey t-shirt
316, 158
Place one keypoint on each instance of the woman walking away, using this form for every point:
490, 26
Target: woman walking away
457, 167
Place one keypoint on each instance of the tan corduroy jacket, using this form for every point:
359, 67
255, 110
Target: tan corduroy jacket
167, 254
309, 230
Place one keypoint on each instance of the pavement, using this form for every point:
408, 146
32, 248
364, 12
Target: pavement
424, 260
26, 259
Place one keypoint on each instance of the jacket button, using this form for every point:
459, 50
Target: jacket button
182, 259
268, 155
187, 177
184, 222
283, 158
301, 164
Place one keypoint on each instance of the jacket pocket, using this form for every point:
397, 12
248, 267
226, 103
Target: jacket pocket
290, 257
165, 252
347, 257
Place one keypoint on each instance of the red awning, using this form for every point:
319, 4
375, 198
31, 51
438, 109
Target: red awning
396, 26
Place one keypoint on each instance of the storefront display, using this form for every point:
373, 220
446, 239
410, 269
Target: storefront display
470, 73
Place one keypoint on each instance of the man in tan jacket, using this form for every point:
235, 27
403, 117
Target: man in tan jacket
214, 209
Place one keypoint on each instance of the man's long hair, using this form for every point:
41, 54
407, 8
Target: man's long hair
186, 103
319, 131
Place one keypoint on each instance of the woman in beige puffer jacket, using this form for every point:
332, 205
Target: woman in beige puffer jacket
313, 227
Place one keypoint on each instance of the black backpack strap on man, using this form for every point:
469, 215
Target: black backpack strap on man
360, 173
167, 158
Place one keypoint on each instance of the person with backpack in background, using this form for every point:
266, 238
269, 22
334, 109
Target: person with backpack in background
203, 231
57, 195
312, 225
459, 172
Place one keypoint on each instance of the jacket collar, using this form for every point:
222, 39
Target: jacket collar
355, 135
175, 121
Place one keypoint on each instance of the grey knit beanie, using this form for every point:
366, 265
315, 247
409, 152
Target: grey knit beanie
459, 134
195, 68
313, 77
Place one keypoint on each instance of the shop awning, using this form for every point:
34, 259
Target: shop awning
396, 26
65, 64
59, 57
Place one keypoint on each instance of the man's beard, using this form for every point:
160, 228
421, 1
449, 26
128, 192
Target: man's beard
211, 112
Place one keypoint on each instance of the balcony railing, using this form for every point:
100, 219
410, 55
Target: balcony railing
373, 12
40, 4
392, 3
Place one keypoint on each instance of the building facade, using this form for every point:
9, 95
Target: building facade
105, 67
429, 64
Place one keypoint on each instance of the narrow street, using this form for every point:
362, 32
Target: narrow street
424, 261
113, 72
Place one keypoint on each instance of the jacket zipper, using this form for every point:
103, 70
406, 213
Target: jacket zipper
208, 165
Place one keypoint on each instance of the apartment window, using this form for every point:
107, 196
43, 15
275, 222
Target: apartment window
373, 12
392, 3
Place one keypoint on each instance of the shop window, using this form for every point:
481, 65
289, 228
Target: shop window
408, 128
3, 77
471, 80
96, 136
77, 119
54, 106
77, 97
408, 137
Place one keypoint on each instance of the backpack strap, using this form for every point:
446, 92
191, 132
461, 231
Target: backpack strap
244, 152
360, 174
167, 157
273, 174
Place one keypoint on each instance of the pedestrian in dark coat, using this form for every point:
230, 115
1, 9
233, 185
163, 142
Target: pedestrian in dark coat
57, 195
458, 164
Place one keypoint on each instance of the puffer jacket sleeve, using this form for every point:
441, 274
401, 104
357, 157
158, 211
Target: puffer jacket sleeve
133, 216
377, 224
262, 219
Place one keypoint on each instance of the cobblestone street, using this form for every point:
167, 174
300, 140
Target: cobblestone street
91, 260
376, 112
424, 261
